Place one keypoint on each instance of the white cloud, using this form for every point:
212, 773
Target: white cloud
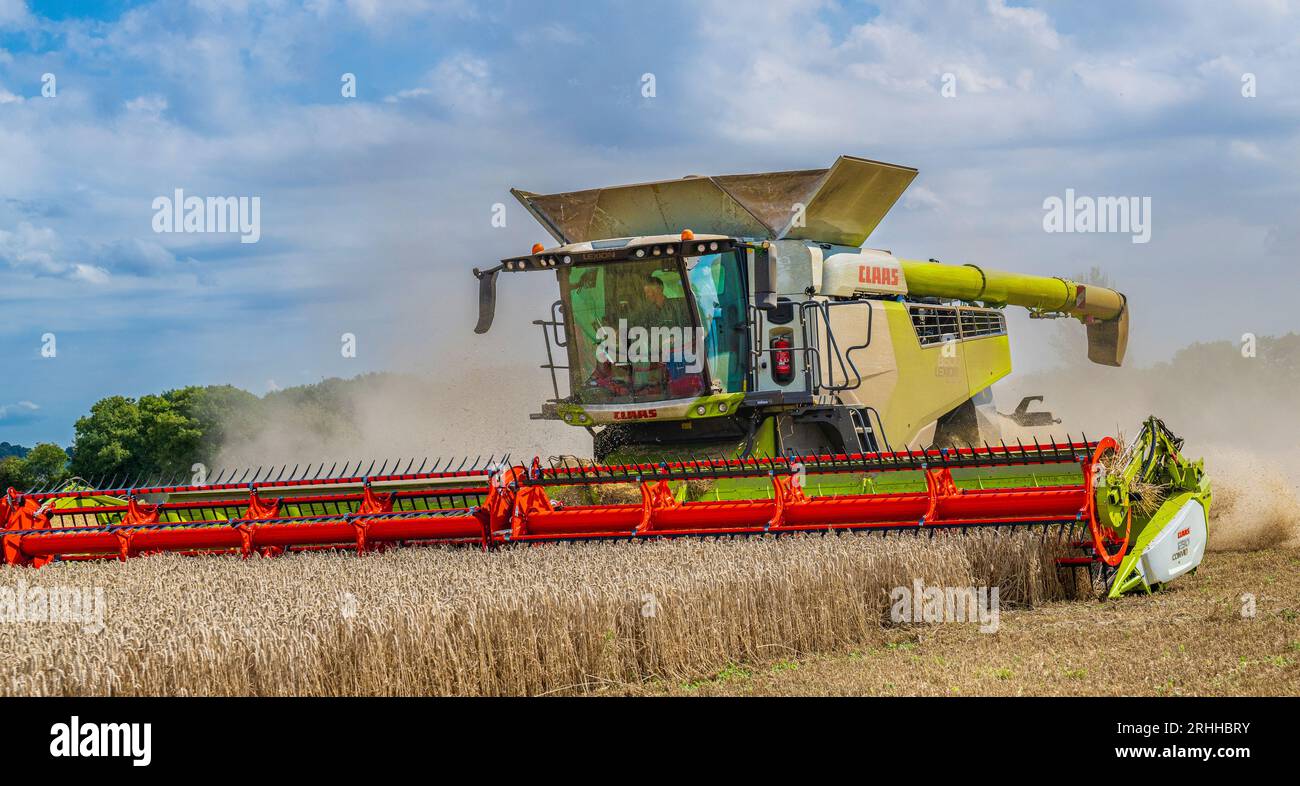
1028, 21
14, 14
551, 33
22, 410
152, 105
32, 249
1135, 86
461, 83
1241, 148
380, 13
89, 274
921, 198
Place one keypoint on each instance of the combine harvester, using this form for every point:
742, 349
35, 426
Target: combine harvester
744, 367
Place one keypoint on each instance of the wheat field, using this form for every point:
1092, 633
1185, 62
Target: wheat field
552, 619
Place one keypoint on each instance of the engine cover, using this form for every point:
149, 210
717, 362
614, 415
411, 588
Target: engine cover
869, 272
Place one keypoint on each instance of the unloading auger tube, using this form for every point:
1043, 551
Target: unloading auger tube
1103, 311
1063, 490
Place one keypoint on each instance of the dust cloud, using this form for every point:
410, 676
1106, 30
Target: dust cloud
1241, 414
469, 413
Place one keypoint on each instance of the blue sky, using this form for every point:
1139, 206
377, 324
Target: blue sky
375, 207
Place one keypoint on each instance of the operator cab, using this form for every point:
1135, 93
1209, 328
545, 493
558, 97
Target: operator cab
654, 328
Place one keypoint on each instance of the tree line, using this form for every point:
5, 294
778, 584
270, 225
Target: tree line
162, 436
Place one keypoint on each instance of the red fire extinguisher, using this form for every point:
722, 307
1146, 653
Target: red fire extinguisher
782, 359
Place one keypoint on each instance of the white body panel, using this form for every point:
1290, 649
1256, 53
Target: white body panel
869, 272
1178, 548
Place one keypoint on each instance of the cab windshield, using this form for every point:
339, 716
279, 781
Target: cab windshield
653, 329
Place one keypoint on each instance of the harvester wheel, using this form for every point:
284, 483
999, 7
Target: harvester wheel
1100, 539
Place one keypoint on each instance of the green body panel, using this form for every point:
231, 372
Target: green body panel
841, 483
715, 405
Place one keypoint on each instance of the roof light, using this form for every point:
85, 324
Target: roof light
701, 247
568, 260
688, 234
640, 252
538, 248
656, 251
713, 246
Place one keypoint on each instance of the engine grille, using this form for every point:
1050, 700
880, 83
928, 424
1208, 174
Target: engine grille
936, 324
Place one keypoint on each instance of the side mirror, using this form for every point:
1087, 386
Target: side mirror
487, 298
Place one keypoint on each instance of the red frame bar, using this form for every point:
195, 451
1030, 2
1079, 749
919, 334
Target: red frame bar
517, 508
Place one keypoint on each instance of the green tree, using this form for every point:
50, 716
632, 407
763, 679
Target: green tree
107, 440
169, 436
224, 414
7, 450
160, 436
13, 474
46, 466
